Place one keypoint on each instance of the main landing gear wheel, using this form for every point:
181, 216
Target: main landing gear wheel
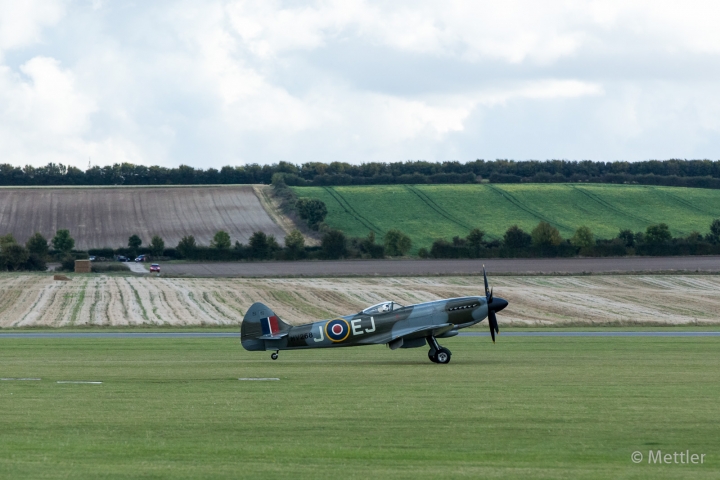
443, 356
438, 354
274, 356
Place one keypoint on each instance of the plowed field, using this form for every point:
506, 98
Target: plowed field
34, 300
106, 217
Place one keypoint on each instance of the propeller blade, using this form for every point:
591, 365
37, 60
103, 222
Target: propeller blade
486, 283
492, 321
490, 298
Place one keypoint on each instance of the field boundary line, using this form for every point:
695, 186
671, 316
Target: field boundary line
522, 206
431, 203
351, 211
682, 201
609, 205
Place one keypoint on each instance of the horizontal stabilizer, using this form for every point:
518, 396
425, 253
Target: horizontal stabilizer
276, 336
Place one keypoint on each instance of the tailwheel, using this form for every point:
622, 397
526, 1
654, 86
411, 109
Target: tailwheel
274, 356
443, 356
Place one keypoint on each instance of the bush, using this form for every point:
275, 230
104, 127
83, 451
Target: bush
657, 234
545, 235
312, 210
157, 245
35, 263
515, 237
295, 245
221, 240
63, 242
38, 245
627, 238
186, 246
714, 235
396, 243
334, 244
368, 247
14, 257
259, 246
68, 264
110, 267
583, 238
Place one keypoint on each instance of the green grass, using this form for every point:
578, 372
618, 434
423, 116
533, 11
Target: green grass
428, 212
524, 408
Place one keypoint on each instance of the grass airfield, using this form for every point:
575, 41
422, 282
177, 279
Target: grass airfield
548, 407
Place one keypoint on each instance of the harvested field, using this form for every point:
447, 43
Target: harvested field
107, 216
33, 300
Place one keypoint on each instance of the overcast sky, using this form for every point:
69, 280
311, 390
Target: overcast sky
212, 83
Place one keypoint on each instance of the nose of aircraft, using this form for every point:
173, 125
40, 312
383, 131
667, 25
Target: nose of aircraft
497, 304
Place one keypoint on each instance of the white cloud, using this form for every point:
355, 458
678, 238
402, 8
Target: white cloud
226, 81
21, 22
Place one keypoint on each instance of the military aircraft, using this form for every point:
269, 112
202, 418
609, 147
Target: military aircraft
390, 323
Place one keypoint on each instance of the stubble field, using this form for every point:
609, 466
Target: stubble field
32, 300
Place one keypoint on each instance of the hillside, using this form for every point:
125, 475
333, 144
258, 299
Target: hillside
428, 212
107, 216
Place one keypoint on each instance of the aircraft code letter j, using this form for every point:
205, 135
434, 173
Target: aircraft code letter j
396, 325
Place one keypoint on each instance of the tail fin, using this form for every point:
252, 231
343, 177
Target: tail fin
259, 325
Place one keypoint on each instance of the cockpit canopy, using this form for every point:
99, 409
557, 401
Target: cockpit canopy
380, 308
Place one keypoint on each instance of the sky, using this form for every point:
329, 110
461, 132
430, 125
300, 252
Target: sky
212, 83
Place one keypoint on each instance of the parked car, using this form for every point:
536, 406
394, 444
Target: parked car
155, 268
92, 258
121, 258
141, 258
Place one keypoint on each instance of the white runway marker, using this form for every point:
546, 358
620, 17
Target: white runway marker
20, 379
73, 381
260, 379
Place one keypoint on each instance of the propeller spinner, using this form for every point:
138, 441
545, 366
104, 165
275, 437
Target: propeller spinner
494, 305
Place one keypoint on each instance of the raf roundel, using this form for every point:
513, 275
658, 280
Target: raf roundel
337, 330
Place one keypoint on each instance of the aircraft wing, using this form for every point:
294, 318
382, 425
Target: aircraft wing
434, 330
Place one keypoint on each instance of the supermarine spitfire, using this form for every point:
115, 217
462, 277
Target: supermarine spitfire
390, 323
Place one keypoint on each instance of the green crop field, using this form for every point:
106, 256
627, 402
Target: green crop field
429, 212
542, 407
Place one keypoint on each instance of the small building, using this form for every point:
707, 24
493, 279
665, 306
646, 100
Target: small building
83, 266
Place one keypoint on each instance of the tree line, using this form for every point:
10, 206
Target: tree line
674, 172
545, 241
542, 241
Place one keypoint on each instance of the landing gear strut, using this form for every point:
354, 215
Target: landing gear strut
437, 354
274, 356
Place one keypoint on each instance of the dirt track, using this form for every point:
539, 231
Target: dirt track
35, 300
387, 268
106, 217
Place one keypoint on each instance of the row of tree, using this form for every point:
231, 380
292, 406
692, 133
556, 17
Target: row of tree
701, 173
334, 244
545, 241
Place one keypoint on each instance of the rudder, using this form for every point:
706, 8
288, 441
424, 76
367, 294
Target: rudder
259, 325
